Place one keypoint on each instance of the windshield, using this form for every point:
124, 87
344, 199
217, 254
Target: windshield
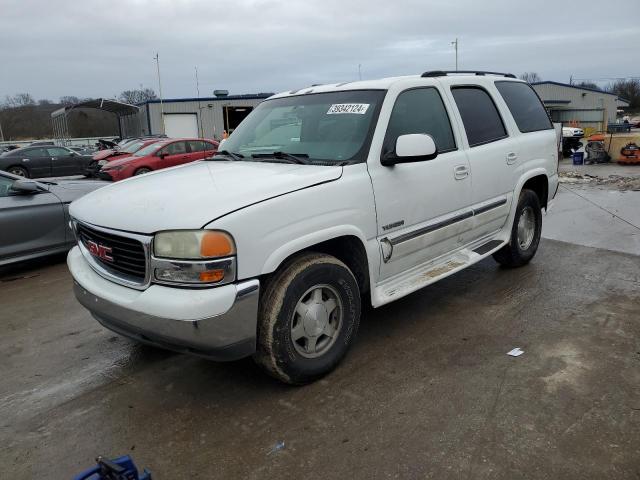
330, 127
148, 150
132, 147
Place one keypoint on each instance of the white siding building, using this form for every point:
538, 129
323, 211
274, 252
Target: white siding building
585, 107
191, 117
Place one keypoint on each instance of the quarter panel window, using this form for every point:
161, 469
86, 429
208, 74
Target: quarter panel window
420, 110
480, 116
525, 106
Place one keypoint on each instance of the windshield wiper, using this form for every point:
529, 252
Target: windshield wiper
227, 153
299, 158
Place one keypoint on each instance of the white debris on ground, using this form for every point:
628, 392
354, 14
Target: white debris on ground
618, 182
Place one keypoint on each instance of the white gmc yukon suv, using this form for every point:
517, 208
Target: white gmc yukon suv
323, 198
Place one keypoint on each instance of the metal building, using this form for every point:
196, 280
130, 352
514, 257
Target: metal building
584, 107
192, 117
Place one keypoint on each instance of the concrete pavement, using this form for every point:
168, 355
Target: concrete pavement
427, 392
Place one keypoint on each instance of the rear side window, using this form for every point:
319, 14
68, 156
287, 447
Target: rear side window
34, 153
525, 106
420, 111
480, 116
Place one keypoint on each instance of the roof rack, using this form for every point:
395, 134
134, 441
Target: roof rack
444, 73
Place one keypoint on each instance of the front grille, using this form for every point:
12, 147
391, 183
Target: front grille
128, 254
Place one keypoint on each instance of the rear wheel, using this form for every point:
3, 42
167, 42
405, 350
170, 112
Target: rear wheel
19, 171
142, 171
309, 315
525, 232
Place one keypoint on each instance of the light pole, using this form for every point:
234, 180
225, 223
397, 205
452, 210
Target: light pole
360, 71
1, 134
455, 44
157, 59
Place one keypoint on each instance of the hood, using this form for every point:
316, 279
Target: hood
114, 161
68, 190
192, 195
102, 154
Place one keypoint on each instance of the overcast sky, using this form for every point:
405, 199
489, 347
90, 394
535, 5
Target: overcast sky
91, 48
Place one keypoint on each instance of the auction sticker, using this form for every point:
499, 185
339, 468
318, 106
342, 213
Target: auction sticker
357, 108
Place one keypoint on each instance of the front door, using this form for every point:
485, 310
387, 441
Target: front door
174, 154
63, 162
423, 208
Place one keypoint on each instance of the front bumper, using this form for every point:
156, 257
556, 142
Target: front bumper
217, 323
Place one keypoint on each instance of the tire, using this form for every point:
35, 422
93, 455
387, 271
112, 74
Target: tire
141, 171
523, 243
19, 171
91, 170
296, 351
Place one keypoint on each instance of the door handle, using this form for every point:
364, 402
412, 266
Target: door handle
460, 172
511, 158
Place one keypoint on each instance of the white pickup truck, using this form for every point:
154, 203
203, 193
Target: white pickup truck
323, 198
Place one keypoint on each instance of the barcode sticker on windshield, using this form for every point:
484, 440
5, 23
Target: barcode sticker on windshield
357, 108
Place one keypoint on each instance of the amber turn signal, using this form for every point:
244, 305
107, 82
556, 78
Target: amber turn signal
211, 276
216, 244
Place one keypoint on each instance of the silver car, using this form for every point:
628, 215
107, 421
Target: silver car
34, 216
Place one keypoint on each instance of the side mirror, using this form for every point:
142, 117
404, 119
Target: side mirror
161, 155
413, 147
25, 187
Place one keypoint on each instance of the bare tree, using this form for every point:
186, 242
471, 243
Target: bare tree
584, 84
629, 90
530, 77
44, 101
69, 100
137, 96
19, 100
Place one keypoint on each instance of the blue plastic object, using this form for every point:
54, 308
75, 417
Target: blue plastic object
578, 158
121, 468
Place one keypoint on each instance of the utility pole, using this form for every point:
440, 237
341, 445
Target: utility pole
157, 59
360, 71
201, 127
455, 45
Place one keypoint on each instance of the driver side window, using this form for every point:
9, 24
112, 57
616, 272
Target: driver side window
175, 148
420, 110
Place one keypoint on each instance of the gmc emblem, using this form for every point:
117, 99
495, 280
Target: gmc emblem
100, 251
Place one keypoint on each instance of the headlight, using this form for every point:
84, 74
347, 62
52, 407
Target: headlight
193, 244
103, 162
194, 257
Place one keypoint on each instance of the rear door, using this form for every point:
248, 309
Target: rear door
199, 149
493, 157
30, 223
36, 160
63, 162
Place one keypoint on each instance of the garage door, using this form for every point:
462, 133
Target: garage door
178, 125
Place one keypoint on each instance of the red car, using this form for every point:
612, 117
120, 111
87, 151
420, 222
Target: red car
128, 149
158, 155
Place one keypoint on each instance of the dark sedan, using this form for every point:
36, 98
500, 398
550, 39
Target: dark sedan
44, 161
34, 216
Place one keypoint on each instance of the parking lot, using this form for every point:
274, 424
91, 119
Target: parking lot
427, 391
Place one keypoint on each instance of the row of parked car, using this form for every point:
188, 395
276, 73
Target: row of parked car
126, 159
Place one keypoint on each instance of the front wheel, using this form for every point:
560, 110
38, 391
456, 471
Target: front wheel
525, 232
309, 316
142, 171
